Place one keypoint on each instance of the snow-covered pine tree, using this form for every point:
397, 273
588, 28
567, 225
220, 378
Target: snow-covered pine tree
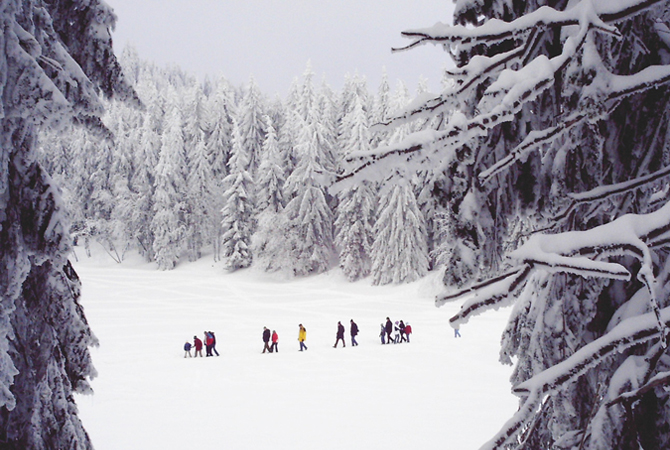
399, 251
143, 186
169, 222
221, 112
563, 126
250, 115
267, 241
307, 216
238, 210
203, 195
355, 213
54, 57
382, 108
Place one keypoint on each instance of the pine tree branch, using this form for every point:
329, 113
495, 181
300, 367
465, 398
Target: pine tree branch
543, 18
630, 333
604, 192
661, 379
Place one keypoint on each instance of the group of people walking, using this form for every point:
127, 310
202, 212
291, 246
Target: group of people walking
402, 332
353, 330
271, 338
266, 339
209, 340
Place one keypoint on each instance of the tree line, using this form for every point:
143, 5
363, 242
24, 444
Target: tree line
205, 167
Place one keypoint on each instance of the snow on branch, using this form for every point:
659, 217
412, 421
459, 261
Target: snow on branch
661, 379
629, 333
599, 12
577, 252
603, 192
534, 141
494, 293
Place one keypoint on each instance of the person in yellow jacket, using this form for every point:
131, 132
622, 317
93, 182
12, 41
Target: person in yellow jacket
302, 335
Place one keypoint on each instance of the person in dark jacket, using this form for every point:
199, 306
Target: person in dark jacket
187, 349
340, 335
207, 339
401, 327
266, 340
389, 330
197, 343
214, 343
354, 332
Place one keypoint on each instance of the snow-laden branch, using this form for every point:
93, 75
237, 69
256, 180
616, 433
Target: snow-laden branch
599, 12
629, 333
661, 379
603, 192
534, 141
494, 293
577, 252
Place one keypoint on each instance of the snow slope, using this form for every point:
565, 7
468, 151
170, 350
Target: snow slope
436, 392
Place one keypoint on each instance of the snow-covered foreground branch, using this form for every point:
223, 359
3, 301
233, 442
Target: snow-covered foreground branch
630, 333
582, 253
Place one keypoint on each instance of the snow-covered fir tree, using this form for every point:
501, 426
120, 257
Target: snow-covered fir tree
238, 209
308, 218
399, 251
250, 121
561, 132
268, 240
44, 336
355, 213
168, 225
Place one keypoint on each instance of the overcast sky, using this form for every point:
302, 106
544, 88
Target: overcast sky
273, 40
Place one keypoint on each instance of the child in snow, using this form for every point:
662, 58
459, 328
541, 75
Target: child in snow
187, 349
408, 331
383, 334
275, 340
197, 343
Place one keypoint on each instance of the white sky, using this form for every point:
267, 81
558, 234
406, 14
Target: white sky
273, 40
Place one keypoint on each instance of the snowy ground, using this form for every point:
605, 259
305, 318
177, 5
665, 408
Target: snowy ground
437, 392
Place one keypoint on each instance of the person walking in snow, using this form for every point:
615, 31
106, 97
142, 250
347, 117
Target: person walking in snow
401, 327
302, 336
382, 334
457, 333
408, 331
396, 338
354, 332
340, 335
214, 343
197, 343
389, 330
266, 340
275, 340
208, 343
187, 349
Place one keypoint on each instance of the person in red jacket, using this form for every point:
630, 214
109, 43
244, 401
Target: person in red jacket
408, 331
197, 343
275, 340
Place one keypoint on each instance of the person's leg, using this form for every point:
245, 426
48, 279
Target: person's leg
214, 350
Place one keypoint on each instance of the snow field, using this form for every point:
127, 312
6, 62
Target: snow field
436, 392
